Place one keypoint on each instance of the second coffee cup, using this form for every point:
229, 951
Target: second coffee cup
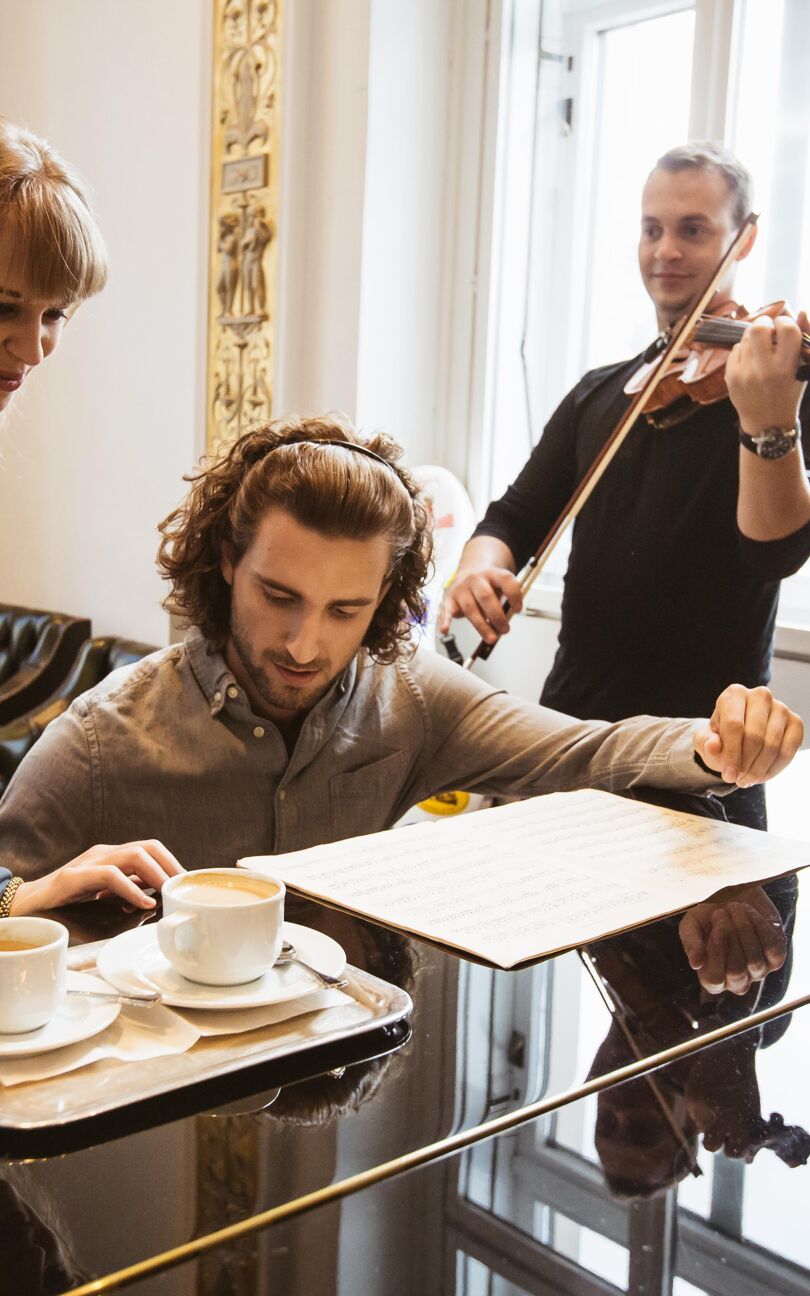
221, 926
33, 957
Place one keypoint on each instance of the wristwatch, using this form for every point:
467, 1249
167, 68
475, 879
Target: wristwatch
773, 443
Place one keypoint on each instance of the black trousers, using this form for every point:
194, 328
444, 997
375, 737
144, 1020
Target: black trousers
746, 806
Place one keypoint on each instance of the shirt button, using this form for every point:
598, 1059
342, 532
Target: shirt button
258, 732
281, 794
233, 691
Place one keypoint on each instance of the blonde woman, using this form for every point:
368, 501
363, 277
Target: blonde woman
52, 255
52, 258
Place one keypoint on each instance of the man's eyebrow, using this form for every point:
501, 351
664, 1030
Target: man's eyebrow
9, 292
294, 593
692, 216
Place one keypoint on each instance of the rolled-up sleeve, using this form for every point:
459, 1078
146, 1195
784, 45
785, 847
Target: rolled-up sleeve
777, 559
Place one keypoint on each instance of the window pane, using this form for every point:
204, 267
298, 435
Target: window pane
530, 137
636, 63
593, 1251
617, 320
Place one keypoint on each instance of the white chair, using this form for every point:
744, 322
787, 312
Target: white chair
453, 523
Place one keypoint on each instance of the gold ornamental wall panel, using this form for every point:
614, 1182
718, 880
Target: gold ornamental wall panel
244, 212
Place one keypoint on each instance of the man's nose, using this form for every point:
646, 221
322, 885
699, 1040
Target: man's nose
668, 247
303, 637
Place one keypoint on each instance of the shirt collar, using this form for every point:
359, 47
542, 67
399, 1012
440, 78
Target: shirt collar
214, 676
210, 669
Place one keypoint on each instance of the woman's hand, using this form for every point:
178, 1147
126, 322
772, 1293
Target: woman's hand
122, 871
750, 737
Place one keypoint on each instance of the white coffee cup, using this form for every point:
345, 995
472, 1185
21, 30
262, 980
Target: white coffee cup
221, 926
33, 962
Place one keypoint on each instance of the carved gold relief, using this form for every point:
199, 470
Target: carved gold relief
244, 206
227, 1176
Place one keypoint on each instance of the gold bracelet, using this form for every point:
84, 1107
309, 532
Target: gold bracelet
8, 896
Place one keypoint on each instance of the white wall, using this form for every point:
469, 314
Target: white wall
403, 222
93, 451
367, 119
324, 126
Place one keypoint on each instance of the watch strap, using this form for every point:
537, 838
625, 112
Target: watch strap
773, 443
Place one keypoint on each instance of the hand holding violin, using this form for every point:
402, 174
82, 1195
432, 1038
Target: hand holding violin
761, 373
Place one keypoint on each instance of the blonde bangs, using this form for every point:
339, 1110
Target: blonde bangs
56, 242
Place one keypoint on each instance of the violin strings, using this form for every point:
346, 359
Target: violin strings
723, 331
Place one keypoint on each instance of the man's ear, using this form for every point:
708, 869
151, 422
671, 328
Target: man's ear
227, 564
748, 244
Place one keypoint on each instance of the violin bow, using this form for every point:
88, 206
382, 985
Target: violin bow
615, 1010
610, 449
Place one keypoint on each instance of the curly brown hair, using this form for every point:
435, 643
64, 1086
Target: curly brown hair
348, 495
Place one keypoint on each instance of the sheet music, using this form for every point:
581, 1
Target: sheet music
538, 876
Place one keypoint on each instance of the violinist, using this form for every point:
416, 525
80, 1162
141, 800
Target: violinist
676, 558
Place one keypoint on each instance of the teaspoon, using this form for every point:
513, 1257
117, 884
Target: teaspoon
289, 954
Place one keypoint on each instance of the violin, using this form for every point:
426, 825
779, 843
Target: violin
697, 375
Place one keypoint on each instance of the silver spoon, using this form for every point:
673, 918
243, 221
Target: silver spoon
146, 1000
289, 954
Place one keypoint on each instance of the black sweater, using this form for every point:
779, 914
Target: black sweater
665, 602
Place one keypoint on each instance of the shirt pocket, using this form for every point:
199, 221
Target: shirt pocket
364, 800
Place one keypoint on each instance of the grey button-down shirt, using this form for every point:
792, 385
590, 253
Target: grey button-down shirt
170, 748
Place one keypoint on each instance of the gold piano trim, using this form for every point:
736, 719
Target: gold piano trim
432, 1152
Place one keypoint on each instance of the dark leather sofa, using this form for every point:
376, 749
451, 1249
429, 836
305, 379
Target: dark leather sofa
96, 659
37, 650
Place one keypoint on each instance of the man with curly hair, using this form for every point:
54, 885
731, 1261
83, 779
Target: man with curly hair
296, 710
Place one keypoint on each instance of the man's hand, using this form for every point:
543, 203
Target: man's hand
722, 1098
478, 596
123, 871
760, 374
750, 737
733, 939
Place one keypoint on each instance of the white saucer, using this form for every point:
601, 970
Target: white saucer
76, 1019
133, 961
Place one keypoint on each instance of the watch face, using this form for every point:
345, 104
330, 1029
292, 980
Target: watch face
773, 445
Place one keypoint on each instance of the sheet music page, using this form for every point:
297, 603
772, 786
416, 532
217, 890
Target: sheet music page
538, 876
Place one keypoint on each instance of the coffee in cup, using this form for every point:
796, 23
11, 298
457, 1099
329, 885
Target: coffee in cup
221, 926
217, 888
33, 962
